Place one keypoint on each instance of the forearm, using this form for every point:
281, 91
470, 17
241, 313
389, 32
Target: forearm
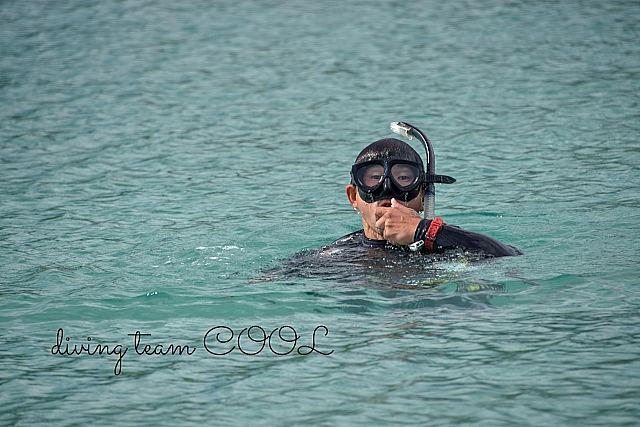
449, 236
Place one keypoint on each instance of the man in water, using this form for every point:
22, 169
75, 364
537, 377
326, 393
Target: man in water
388, 188
396, 247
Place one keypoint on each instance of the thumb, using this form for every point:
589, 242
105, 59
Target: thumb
396, 204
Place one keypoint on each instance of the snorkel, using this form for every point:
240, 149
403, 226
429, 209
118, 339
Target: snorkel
408, 131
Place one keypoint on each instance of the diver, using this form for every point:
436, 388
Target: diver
396, 247
388, 188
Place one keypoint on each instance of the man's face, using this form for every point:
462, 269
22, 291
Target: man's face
373, 211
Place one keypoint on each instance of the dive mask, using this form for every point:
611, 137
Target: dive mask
387, 178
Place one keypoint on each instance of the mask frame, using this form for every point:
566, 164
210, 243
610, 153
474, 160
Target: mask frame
387, 187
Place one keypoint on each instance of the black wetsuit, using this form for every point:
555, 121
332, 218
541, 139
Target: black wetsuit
356, 259
449, 237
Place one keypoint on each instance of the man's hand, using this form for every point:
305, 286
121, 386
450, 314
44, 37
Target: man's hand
398, 222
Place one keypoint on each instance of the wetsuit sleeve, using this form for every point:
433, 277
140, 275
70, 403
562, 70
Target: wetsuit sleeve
452, 236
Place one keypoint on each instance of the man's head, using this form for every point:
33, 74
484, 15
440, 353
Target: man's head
386, 169
388, 148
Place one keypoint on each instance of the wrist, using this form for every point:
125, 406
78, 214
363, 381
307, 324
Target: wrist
419, 235
426, 234
432, 233
421, 230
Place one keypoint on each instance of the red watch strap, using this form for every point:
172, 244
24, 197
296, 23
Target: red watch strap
432, 232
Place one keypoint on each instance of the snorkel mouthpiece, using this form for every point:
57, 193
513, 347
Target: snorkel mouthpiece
408, 131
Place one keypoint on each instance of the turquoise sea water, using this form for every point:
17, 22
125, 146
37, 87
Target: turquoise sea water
156, 157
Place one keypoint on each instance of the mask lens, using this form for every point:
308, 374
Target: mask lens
404, 175
370, 176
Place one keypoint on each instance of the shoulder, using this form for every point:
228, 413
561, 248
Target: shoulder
450, 236
351, 239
